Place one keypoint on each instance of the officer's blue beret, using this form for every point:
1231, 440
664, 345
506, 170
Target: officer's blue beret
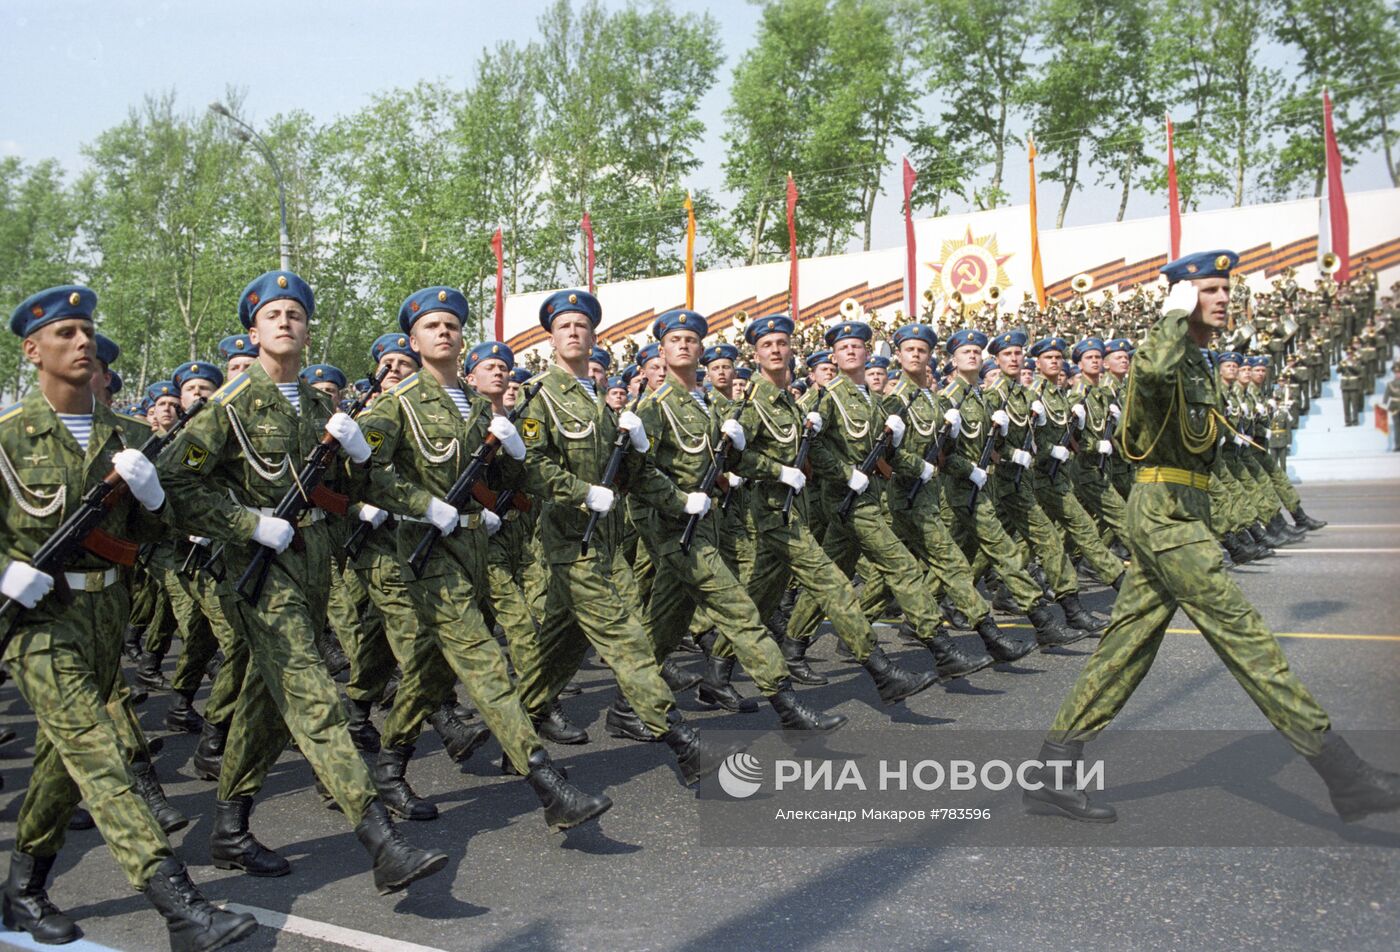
801, 384
719, 352
818, 357
1000, 342
323, 373
162, 388
923, 332
1086, 346
680, 320
617, 383
197, 370
1229, 356
743, 373
237, 345
648, 352
54, 304
489, 350
1116, 345
895, 373
1030, 363
363, 384
1202, 264
107, 350
563, 302
274, 286
877, 363
772, 324
520, 374
1047, 344
600, 357
964, 337
629, 373
115, 387
432, 299
857, 329
394, 343
987, 365
1257, 360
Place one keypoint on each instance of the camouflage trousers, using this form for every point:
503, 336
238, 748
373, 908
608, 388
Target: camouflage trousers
1058, 499
1278, 480
197, 641
1019, 507
1100, 499
359, 624
984, 541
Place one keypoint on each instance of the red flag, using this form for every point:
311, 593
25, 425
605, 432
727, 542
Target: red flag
588, 234
497, 245
792, 245
911, 290
1336, 198
1172, 200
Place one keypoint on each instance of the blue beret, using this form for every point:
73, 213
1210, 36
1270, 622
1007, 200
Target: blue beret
699, 374
520, 374
1202, 264
923, 332
617, 383
743, 373
563, 302
801, 384
1000, 342
396, 343
772, 324
1087, 345
819, 357
363, 384
1257, 360
107, 350
964, 337
144, 407
274, 286
857, 329
55, 304
1229, 356
162, 388
629, 373
987, 365
432, 299
237, 345
648, 352
323, 373
948, 369
1116, 345
489, 350
1029, 364
1047, 344
115, 387
1071, 369
719, 352
600, 357
680, 320
877, 363
197, 370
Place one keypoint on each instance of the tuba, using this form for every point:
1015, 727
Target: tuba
1082, 282
994, 294
1329, 263
850, 309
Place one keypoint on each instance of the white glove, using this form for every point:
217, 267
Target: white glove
696, 504
1021, 458
1001, 419
1060, 453
442, 515
200, 540
636, 432
814, 420
490, 520
978, 476
858, 481
600, 499
735, 431
25, 584
1105, 448
1182, 297
1240, 441
735, 482
896, 427
792, 477
954, 419
927, 474
504, 430
1078, 411
140, 477
347, 433
373, 515
274, 533
1114, 409
1038, 409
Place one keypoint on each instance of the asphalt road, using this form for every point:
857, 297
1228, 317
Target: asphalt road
638, 880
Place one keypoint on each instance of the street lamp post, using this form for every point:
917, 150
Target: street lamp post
250, 135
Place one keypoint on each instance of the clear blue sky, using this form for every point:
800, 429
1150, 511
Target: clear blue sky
75, 67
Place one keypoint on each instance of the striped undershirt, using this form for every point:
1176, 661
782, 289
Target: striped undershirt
589, 384
459, 397
80, 425
293, 395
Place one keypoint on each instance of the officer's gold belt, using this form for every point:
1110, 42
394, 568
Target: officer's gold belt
1166, 474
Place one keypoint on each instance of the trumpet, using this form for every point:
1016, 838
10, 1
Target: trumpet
994, 293
928, 295
1330, 263
1082, 282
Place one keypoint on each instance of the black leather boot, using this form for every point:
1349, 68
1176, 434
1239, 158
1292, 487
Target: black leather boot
565, 806
1061, 797
689, 644
398, 796
181, 716
232, 846
1304, 521
623, 722
893, 682
143, 778
696, 758
1002, 647
553, 726
459, 739
195, 924
1255, 534
956, 619
1241, 552
1049, 633
363, 734
1077, 616
1117, 584
81, 820
209, 752
1286, 534
396, 864
676, 679
148, 673
952, 661
131, 643
331, 653
1002, 599
795, 654
796, 716
1357, 788
717, 691
27, 905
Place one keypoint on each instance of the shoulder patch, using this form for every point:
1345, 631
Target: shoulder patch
406, 384
195, 457
530, 430
9, 413
231, 389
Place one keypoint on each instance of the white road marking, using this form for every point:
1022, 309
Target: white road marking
1363, 525
23, 940
1346, 551
326, 932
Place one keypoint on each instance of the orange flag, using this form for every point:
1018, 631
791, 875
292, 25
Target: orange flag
1037, 273
689, 253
